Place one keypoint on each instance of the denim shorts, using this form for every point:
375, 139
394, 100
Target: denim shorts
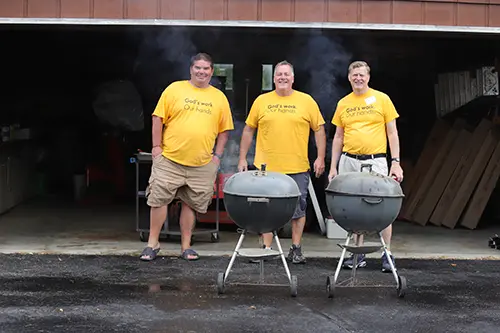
302, 180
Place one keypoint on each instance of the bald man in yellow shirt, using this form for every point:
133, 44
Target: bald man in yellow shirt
284, 118
365, 121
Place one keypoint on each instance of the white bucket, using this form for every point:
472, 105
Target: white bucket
334, 231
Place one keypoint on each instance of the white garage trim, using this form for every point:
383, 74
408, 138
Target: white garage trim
255, 24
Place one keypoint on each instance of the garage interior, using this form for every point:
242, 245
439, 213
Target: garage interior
66, 180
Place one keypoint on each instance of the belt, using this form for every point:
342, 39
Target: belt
364, 157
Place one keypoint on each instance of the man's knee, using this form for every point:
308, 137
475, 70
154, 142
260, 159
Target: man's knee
198, 197
199, 191
159, 193
300, 209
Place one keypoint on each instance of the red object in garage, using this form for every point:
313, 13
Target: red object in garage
110, 170
211, 215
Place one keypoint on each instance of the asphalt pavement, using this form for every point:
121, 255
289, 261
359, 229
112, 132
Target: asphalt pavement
42, 293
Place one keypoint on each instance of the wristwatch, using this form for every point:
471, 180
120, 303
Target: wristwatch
395, 159
218, 156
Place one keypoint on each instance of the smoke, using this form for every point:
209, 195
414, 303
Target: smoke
229, 163
323, 62
163, 57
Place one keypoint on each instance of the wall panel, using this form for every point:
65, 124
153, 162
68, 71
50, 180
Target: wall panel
311, 11
377, 11
175, 9
439, 13
43, 8
141, 9
407, 12
243, 10
112, 9
209, 10
13, 8
472, 15
494, 16
430, 12
277, 10
343, 11
76, 8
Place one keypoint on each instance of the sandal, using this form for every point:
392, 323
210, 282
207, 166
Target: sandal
188, 255
149, 252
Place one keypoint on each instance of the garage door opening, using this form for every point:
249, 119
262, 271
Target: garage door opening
67, 140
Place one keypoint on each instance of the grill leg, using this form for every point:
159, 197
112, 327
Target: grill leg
261, 264
390, 261
341, 259
282, 255
355, 263
235, 253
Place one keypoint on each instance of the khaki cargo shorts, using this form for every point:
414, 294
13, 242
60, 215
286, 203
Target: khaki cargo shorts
192, 185
349, 164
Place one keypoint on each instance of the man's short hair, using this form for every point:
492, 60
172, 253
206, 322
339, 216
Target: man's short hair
359, 64
282, 63
202, 56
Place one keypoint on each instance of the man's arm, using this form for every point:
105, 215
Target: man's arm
337, 144
393, 138
221, 143
320, 138
246, 140
157, 131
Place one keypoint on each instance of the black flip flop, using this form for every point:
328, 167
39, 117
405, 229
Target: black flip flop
185, 255
150, 252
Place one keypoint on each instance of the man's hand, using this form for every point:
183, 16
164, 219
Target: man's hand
242, 165
216, 160
156, 151
319, 166
332, 174
396, 171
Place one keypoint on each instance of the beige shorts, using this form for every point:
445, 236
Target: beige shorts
350, 164
192, 185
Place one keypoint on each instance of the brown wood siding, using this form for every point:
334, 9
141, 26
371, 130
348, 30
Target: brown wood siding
428, 12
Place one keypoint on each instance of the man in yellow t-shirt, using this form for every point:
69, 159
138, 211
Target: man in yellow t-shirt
189, 117
284, 118
365, 121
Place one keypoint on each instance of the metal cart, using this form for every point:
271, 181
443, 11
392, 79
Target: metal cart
173, 213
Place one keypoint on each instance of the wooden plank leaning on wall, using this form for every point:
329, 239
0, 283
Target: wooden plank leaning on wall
431, 147
444, 204
482, 193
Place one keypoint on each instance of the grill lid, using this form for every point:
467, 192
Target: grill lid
365, 184
261, 183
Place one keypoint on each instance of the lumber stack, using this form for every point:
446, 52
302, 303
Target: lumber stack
455, 175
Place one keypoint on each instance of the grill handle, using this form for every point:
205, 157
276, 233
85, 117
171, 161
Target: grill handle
369, 166
373, 201
262, 171
265, 200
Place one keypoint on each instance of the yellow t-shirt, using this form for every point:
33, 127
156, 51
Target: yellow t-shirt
192, 118
364, 120
283, 127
